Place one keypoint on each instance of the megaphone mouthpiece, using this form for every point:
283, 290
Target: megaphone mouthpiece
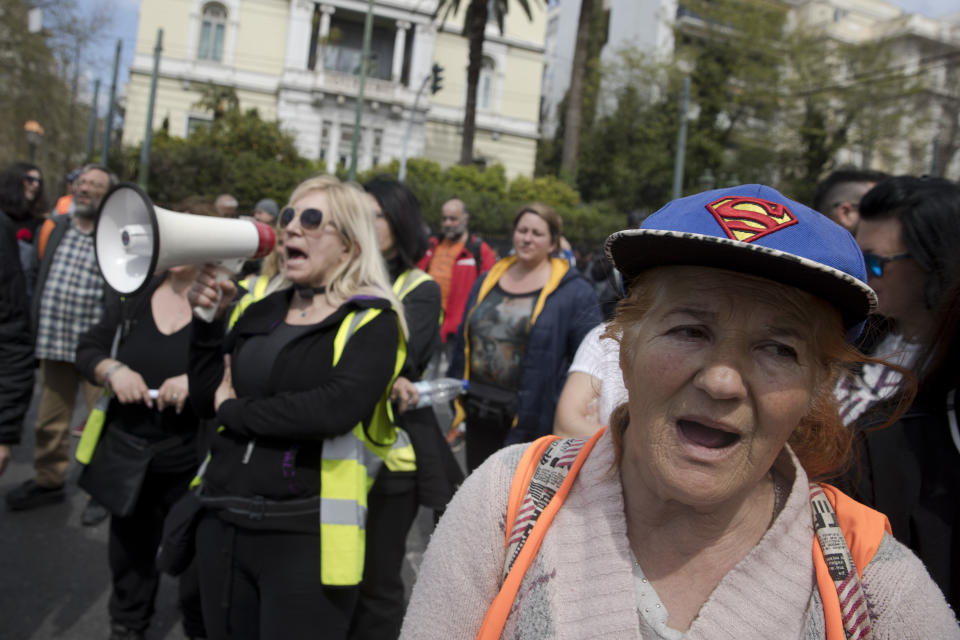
267, 239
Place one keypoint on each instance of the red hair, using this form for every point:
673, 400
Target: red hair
821, 441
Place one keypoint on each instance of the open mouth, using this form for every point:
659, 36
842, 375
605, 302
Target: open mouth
704, 436
293, 254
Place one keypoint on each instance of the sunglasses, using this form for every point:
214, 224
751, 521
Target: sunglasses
32, 179
309, 218
875, 263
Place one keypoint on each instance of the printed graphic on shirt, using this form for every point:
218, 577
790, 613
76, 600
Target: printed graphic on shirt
748, 219
498, 337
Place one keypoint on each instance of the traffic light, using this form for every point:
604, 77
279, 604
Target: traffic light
436, 83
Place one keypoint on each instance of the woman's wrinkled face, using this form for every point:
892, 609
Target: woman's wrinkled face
31, 185
312, 255
531, 239
719, 373
386, 241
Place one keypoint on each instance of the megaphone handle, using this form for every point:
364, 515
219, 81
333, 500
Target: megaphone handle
207, 314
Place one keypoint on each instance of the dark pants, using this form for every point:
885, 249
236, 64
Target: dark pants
391, 510
132, 550
484, 437
266, 584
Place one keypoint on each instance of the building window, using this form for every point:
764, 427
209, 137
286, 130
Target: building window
195, 123
325, 139
485, 85
346, 145
212, 32
377, 146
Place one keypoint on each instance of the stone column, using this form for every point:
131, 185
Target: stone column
298, 35
325, 12
398, 47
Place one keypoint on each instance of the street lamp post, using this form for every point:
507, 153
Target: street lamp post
34, 134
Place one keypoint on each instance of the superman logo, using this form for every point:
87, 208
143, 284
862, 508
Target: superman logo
747, 219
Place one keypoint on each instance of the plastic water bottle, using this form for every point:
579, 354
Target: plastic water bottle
440, 390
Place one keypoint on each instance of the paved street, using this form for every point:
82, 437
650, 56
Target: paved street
54, 579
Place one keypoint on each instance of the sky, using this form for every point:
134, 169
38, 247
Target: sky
126, 15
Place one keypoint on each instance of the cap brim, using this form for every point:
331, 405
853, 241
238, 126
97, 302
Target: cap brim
634, 250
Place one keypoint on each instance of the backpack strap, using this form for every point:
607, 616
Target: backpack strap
540, 485
848, 536
474, 246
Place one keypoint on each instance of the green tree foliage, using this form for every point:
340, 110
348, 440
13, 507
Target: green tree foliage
40, 81
766, 105
492, 200
239, 153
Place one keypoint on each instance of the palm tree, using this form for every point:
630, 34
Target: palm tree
574, 117
474, 24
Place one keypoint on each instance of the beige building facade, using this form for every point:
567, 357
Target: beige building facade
298, 61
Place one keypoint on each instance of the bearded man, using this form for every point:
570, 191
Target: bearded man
68, 300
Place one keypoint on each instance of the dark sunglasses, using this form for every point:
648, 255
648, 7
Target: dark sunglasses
876, 263
309, 218
32, 179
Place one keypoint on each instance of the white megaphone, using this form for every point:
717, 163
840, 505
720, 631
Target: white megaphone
134, 240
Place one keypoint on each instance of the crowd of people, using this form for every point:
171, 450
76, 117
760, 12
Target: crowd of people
739, 422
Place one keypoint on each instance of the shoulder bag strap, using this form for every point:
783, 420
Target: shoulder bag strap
543, 478
845, 610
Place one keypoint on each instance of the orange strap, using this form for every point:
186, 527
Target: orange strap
44, 236
863, 529
497, 614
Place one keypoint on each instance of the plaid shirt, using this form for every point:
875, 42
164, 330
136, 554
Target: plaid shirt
73, 297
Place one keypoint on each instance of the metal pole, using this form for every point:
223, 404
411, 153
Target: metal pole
108, 127
681, 141
92, 127
364, 62
406, 137
148, 134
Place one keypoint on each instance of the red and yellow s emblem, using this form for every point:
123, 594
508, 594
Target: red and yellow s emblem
746, 219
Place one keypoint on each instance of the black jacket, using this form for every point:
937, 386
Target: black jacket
40, 268
270, 446
910, 471
438, 475
16, 341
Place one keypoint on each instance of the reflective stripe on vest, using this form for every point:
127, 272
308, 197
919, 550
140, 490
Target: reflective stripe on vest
257, 292
348, 467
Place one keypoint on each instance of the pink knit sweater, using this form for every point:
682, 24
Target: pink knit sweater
581, 585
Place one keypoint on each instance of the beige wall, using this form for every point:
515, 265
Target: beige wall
257, 35
175, 101
516, 154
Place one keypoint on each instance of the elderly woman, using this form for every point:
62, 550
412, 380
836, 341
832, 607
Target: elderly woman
304, 427
691, 515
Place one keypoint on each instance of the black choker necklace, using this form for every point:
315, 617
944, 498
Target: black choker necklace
308, 292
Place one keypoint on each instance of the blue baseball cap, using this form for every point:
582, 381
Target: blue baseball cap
753, 229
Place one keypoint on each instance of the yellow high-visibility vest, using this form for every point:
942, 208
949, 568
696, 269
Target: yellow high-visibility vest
348, 467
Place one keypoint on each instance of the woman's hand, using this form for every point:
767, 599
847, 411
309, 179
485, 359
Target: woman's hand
173, 393
225, 390
206, 291
129, 387
404, 394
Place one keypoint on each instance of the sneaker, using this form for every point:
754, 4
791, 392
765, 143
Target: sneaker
120, 632
93, 514
30, 495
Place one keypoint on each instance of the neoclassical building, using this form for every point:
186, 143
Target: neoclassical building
299, 61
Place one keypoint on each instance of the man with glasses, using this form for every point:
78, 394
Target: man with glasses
68, 300
838, 195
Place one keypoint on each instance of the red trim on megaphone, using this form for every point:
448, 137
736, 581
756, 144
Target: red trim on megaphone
267, 239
